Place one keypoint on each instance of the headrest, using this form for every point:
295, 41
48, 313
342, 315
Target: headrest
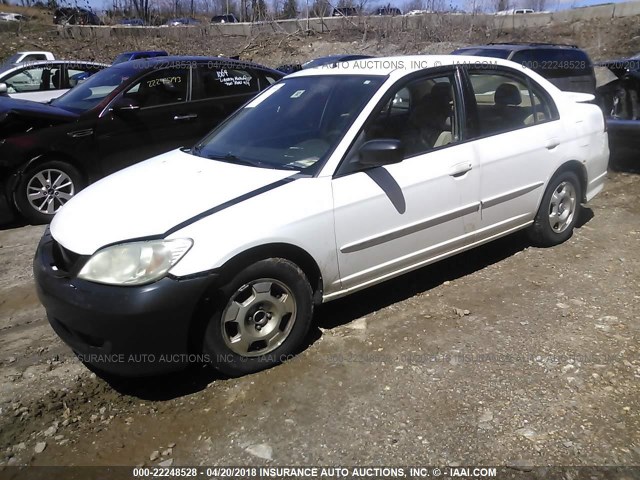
508, 94
442, 90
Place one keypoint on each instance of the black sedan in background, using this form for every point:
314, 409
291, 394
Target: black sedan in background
620, 101
119, 116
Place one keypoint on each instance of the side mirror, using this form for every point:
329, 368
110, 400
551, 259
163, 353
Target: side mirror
376, 153
3, 89
124, 105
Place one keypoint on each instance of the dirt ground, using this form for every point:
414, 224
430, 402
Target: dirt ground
505, 355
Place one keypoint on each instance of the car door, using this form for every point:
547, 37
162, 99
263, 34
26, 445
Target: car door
157, 118
219, 89
397, 217
517, 139
38, 83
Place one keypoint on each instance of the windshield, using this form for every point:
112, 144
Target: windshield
90, 93
13, 58
123, 57
293, 125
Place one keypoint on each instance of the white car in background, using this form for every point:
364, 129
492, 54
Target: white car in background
12, 17
321, 186
29, 56
41, 81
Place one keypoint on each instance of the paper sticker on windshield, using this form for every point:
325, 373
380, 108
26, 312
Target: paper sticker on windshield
305, 162
267, 93
297, 94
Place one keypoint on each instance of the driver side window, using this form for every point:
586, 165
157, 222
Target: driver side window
421, 114
161, 87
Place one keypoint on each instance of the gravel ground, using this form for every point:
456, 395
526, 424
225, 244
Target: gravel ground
505, 355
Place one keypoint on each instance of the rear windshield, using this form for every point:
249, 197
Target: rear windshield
555, 62
13, 58
483, 52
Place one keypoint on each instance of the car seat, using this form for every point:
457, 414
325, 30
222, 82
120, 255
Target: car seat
508, 100
45, 80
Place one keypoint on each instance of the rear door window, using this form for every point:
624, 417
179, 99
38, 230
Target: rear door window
223, 81
79, 73
505, 102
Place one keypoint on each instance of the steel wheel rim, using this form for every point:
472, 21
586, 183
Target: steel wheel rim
258, 317
49, 189
562, 207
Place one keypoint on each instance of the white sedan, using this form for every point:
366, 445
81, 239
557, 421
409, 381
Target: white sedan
332, 180
41, 81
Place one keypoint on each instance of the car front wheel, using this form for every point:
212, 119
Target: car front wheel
263, 318
45, 188
559, 211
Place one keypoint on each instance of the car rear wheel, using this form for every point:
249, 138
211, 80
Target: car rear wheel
45, 188
559, 211
263, 319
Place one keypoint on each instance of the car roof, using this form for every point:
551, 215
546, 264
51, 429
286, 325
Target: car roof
400, 65
36, 63
515, 46
135, 52
151, 62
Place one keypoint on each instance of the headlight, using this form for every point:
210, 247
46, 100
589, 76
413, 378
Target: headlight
135, 263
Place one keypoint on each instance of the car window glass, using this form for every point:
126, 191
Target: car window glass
34, 80
294, 124
34, 57
221, 81
78, 75
160, 87
542, 111
503, 102
421, 114
554, 62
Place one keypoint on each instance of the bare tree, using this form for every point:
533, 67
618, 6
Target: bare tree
140, 6
290, 9
320, 8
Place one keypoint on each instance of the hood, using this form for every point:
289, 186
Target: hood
28, 108
20, 116
152, 197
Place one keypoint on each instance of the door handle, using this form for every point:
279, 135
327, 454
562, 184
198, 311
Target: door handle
191, 116
551, 144
459, 169
81, 133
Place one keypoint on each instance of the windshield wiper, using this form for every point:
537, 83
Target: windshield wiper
230, 158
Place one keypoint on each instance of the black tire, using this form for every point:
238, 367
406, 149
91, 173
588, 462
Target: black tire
32, 180
566, 186
254, 294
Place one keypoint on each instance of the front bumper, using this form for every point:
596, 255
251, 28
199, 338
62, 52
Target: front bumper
128, 331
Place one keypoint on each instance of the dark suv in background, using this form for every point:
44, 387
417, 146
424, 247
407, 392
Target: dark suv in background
119, 116
566, 66
75, 16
